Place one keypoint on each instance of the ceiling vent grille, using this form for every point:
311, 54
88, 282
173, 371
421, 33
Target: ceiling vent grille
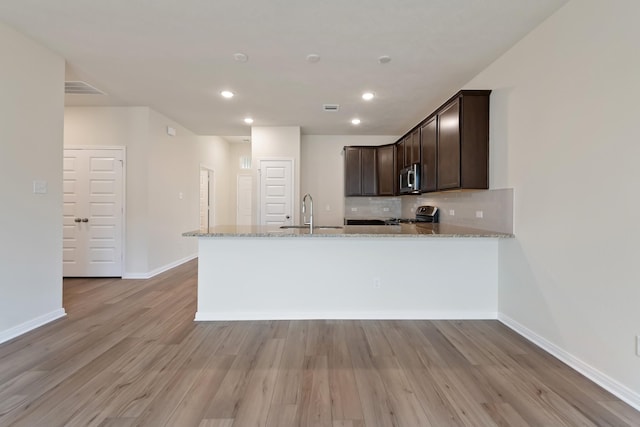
81, 88
330, 107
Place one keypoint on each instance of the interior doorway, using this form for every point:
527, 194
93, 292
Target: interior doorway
207, 198
93, 212
276, 192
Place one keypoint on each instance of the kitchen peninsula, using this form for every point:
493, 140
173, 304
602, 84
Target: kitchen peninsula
409, 271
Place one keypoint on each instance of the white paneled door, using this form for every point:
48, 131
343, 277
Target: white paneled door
93, 212
276, 192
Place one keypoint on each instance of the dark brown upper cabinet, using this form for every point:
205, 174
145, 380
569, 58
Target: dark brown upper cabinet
402, 155
360, 175
463, 141
451, 145
386, 170
400, 149
413, 151
429, 149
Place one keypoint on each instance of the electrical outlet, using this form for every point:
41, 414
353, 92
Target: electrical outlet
39, 187
377, 283
327, 208
479, 214
452, 212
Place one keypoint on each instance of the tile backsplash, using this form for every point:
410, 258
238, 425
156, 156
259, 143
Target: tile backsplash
484, 209
372, 207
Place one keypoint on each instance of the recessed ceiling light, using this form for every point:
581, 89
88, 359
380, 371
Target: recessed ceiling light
368, 96
227, 94
240, 57
355, 121
384, 59
313, 58
248, 120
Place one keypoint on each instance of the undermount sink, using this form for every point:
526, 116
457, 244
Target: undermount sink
315, 227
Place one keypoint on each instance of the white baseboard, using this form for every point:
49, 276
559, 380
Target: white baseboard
382, 315
31, 324
159, 270
620, 390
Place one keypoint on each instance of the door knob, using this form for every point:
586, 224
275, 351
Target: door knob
85, 219
288, 217
77, 220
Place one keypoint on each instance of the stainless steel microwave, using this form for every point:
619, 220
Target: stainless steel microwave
410, 179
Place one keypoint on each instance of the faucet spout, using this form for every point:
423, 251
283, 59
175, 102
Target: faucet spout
304, 210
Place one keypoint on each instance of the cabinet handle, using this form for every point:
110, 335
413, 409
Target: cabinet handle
77, 220
85, 219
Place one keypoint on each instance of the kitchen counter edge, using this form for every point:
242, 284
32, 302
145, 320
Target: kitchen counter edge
376, 231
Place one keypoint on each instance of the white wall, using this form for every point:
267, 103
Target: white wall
565, 136
173, 182
276, 142
31, 118
236, 152
322, 171
217, 154
159, 168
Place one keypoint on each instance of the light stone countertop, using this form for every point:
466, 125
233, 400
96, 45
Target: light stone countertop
382, 231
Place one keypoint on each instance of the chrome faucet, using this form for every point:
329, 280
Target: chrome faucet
304, 210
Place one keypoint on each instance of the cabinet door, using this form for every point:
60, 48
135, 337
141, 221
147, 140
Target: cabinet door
352, 171
414, 151
369, 168
399, 163
386, 174
429, 148
449, 146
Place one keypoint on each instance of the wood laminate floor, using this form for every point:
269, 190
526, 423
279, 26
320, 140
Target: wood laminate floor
129, 354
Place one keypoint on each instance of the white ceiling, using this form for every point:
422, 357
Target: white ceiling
175, 56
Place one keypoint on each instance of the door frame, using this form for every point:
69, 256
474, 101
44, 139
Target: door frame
294, 212
211, 219
123, 237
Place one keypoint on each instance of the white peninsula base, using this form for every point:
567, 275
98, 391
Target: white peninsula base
256, 278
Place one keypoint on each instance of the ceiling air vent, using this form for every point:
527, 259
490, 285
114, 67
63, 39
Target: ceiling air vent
330, 107
81, 88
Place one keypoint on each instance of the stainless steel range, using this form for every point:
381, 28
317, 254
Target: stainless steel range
423, 214
428, 214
